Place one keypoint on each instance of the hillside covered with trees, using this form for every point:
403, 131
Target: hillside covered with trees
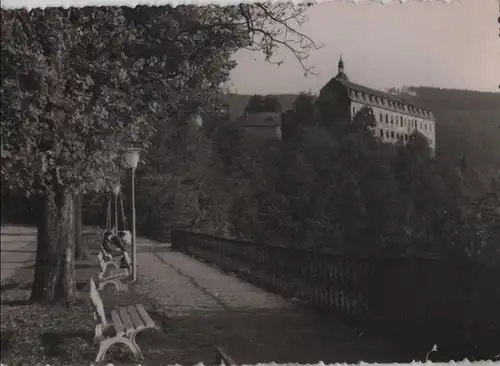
468, 124
335, 190
329, 190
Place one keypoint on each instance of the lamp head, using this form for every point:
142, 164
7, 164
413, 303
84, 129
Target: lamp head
132, 156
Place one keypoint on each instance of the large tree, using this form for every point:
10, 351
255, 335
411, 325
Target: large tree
78, 85
66, 113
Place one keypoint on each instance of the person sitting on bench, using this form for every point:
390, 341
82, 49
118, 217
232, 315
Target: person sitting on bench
115, 245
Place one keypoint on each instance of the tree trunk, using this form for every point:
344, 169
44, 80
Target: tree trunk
79, 248
54, 267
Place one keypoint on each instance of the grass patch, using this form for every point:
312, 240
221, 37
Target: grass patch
40, 334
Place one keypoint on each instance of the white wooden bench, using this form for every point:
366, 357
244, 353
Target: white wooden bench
126, 322
110, 271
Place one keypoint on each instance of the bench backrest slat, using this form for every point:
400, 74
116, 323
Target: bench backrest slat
97, 301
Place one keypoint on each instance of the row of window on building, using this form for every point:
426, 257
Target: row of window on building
400, 121
388, 103
394, 135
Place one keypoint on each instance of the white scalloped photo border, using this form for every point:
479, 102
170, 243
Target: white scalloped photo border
30, 4
451, 363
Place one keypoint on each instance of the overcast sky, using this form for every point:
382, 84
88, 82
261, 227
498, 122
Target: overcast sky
452, 45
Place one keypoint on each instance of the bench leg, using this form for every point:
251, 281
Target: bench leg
106, 344
115, 282
132, 339
134, 334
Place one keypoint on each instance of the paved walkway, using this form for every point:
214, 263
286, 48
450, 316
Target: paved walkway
202, 306
186, 285
252, 324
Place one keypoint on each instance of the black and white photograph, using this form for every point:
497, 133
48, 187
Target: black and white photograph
250, 183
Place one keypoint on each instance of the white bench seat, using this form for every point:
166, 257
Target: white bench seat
126, 322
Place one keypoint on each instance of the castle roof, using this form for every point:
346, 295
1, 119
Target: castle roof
406, 104
402, 103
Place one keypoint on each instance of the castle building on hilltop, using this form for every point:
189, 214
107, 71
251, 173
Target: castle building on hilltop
397, 115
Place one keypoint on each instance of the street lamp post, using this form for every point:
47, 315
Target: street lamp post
132, 159
116, 191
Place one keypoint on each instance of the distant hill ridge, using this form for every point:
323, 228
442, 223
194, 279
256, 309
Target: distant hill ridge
453, 98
